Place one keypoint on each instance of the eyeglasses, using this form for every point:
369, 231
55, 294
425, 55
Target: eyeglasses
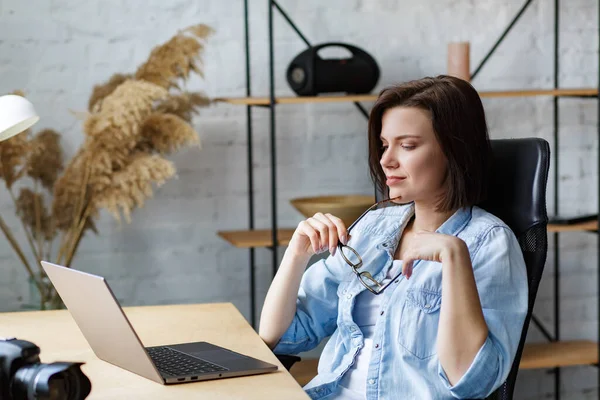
354, 260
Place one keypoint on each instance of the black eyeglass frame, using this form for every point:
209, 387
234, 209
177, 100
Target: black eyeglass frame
377, 287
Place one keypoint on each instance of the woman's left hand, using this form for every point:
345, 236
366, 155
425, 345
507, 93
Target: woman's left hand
430, 246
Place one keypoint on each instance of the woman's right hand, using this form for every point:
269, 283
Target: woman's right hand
318, 234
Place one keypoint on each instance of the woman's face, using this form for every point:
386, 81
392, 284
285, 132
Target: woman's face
412, 160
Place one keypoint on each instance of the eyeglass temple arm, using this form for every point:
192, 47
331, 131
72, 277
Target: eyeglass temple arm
339, 245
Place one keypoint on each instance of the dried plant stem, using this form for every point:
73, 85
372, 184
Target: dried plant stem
61, 248
67, 238
70, 238
17, 248
51, 241
73, 250
27, 234
77, 235
86, 178
38, 220
49, 253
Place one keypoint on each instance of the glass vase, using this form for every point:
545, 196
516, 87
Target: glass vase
35, 299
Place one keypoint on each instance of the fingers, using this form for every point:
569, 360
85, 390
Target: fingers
328, 232
336, 229
324, 231
312, 234
341, 228
407, 266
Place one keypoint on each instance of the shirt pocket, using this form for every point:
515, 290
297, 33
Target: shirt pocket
419, 322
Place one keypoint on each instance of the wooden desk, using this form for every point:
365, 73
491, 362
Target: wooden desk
56, 333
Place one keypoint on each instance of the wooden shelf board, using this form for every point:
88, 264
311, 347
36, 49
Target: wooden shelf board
541, 92
256, 238
584, 226
559, 354
262, 237
265, 101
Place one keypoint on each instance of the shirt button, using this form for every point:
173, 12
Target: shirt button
371, 381
427, 305
397, 280
349, 296
381, 313
377, 346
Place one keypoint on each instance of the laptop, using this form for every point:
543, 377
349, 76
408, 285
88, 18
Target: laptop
111, 336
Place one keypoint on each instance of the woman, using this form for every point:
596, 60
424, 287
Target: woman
424, 298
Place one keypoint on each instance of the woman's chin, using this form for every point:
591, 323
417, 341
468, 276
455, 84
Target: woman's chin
398, 198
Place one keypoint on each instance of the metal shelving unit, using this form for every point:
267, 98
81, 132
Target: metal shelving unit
551, 355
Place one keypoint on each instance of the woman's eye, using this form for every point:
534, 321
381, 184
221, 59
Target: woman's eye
407, 147
384, 148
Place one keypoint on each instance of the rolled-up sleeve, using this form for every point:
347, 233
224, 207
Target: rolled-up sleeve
316, 308
501, 279
481, 376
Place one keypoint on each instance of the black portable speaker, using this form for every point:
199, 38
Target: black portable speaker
309, 75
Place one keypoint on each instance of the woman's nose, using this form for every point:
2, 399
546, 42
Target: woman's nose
388, 161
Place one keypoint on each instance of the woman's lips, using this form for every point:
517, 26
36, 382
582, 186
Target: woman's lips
392, 180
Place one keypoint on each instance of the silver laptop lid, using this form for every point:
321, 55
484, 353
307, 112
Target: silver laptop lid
101, 320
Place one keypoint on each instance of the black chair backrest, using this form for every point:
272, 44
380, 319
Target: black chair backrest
517, 195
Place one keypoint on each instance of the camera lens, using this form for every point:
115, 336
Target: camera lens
56, 381
58, 387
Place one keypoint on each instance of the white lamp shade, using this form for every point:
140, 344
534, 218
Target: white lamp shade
16, 115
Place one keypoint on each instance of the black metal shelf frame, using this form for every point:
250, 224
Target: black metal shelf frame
274, 5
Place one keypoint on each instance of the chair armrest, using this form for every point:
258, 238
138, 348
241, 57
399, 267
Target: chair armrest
287, 360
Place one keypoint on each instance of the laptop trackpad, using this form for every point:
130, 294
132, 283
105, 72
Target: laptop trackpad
208, 352
217, 356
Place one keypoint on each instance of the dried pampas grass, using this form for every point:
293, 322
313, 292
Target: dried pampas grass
13, 156
101, 91
131, 186
132, 121
122, 112
70, 191
183, 105
34, 213
45, 159
176, 58
166, 133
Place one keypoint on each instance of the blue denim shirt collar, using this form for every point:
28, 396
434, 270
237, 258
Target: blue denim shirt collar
452, 226
457, 222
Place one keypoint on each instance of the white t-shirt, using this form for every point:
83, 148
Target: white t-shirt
353, 385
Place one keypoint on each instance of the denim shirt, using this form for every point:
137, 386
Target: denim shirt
405, 365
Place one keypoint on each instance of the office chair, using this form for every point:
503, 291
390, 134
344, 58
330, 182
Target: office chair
517, 195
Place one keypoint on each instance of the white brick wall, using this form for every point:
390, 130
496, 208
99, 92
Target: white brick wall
57, 50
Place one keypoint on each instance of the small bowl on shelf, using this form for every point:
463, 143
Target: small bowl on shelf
346, 207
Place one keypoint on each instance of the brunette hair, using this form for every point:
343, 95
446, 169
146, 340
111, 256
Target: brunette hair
460, 127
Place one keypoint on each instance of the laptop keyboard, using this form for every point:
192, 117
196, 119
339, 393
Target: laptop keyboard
175, 363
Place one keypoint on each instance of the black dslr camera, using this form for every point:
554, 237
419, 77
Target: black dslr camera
24, 377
